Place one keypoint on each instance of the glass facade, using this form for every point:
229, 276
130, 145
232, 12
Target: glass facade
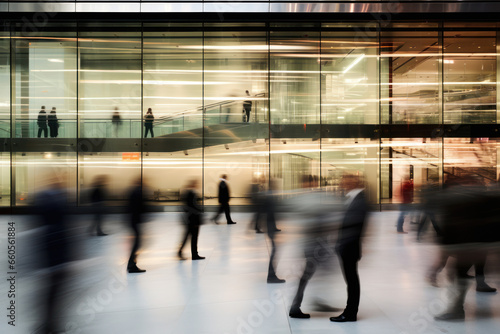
250, 100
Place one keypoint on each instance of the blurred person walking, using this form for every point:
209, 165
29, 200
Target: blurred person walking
257, 198
192, 219
319, 213
407, 194
149, 118
42, 122
53, 123
224, 197
136, 208
98, 200
52, 208
269, 208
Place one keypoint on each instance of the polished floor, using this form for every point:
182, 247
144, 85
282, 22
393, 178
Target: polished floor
227, 293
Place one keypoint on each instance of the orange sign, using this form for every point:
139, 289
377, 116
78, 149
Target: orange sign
127, 156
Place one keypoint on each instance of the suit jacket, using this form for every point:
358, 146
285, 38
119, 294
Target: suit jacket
192, 208
136, 204
351, 231
223, 192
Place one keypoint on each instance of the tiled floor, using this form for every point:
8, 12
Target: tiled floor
227, 293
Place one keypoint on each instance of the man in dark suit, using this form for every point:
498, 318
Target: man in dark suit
224, 198
349, 244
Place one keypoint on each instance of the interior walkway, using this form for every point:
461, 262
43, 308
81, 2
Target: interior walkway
227, 293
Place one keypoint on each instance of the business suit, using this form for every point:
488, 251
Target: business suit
224, 197
193, 219
349, 250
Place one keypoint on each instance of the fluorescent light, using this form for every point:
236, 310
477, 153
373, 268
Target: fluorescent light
357, 60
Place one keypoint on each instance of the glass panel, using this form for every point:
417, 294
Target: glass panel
415, 159
173, 89
291, 159
121, 169
5, 179
410, 80
349, 76
236, 109
110, 81
295, 107
5, 83
295, 77
34, 171
476, 157
341, 157
470, 77
173, 67
44, 82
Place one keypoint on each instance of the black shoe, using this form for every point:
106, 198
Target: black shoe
275, 280
344, 318
101, 234
457, 315
402, 232
277, 230
483, 287
259, 231
229, 223
198, 257
295, 312
136, 270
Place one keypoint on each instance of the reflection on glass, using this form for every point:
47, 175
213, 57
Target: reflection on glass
471, 156
235, 96
470, 77
5, 179
417, 159
122, 169
349, 76
35, 170
5, 84
348, 156
295, 77
110, 81
45, 75
410, 80
295, 99
172, 83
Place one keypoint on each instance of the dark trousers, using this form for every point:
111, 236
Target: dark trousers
271, 273
257, 216
53, 130
132, 261
44, 129
223, 207
350, 271
247, 112
193, 230
309, 271
149, 128
96, 224
57, 281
